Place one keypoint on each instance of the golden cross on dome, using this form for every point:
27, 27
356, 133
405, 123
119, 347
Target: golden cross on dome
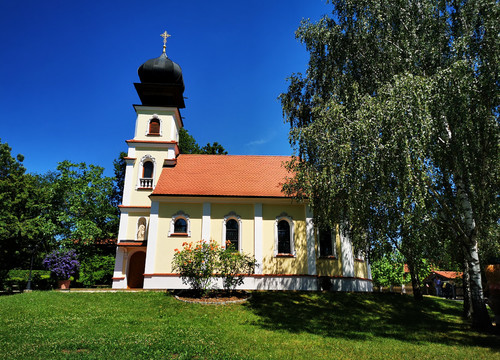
165, 36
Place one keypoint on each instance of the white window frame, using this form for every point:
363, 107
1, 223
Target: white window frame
140, 173
289, 219
334, 244
232, 215
155, 117
179, 215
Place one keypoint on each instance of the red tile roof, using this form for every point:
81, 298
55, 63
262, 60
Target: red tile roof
224, 175
449, 274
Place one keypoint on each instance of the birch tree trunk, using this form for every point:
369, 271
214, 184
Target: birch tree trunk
415, 283
467, 312
480, 317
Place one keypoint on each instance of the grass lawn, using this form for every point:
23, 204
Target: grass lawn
272, 325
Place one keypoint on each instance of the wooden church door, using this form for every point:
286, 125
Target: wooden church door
136, 270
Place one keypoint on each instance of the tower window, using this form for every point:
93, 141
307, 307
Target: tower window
147, 171
154, 127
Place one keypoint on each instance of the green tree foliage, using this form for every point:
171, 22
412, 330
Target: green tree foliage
119, 167
11, 180
388, 270
26, 221
188, 145
213, 149
85, 208
97, 269
396, 126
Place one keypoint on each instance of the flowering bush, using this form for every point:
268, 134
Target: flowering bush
62, 263
233, 266
199, 263
196, 264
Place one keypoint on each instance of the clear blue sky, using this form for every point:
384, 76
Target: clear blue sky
67, 71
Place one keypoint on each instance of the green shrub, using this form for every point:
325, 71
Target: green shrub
97, 270
18, 279
233, 266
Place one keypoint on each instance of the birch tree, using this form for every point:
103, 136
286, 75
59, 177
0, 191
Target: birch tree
395, 125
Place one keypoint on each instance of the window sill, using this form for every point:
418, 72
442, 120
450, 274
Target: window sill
285, 256
359, 260
153, 134
145, 188
179, 234
327, 257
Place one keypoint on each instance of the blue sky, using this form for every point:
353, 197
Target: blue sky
67, 71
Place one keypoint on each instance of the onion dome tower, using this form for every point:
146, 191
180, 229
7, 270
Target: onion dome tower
161, 81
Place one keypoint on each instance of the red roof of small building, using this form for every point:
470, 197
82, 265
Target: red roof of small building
448, 274
224, 175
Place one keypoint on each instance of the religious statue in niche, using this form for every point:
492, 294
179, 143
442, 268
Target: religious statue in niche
141, 229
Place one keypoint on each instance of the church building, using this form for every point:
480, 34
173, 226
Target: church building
171, 198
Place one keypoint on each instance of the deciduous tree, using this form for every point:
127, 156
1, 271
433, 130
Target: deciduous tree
396, 126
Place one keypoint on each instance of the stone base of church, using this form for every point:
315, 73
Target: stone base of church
352, 284
262, 282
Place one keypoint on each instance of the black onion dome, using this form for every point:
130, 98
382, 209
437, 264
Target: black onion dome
161, 83
161, 70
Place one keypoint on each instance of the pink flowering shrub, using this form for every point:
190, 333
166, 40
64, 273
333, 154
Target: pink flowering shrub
196, 264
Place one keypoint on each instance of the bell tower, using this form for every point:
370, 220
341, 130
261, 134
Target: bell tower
153, 147
155, 142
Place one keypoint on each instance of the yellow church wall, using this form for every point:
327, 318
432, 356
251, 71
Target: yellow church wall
284, 265
142, 127
246, 214
165, 245
360, 269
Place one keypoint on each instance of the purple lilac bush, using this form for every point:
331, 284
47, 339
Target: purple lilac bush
62, 263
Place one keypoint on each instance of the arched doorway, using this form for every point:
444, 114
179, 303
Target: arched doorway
136, 270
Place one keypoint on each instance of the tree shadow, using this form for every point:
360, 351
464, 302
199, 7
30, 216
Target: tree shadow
363, 316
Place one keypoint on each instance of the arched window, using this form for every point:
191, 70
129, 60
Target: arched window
232, 233
147, 170
154, 127
180, 225
284, 235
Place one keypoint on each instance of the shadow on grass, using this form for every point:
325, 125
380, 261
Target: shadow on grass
365, 316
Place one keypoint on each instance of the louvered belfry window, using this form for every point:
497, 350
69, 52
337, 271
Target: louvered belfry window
154, 127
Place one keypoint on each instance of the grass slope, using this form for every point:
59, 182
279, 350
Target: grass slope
272, 325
